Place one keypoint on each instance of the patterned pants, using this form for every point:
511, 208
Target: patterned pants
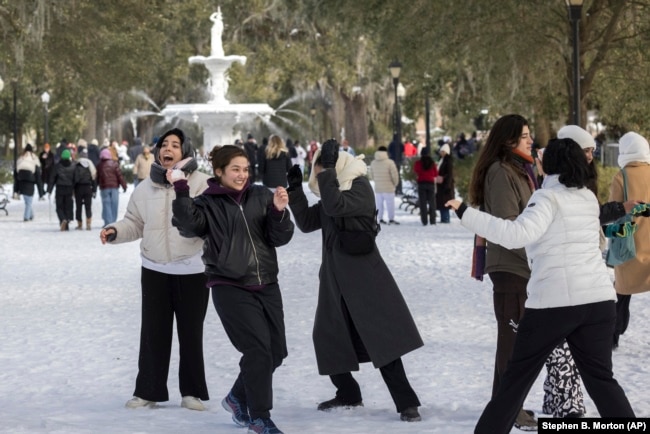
563, 393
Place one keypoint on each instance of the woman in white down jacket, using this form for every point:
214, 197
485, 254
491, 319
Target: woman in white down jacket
570, 294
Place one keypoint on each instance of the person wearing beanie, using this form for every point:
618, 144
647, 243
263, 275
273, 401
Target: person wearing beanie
426, 173
445, 187
109, 180
633, 276
63, 179
173, 282
93, 151
28, 176
384, 174
85, 187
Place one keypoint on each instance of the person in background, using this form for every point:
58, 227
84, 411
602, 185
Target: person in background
109, 180
85, 187
251, 148
242, 224
345, 147
426, 171
46, 159
361, 315
63, 179
172, 278
301, 154
93, 151
142, 166
274, 163
28, 170
633, 276
135, 150
384, 174
445, 187
570, 293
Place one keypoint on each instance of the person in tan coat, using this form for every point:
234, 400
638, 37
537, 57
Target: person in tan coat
384, 173
633, 276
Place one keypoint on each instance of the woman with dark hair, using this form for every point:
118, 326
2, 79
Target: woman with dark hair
501, 184
426, 171
241, 225
570, 294
173, 282
28, 171
445, 189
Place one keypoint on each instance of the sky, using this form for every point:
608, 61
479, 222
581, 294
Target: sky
70, 322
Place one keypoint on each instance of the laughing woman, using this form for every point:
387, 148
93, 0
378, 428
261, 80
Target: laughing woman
241, 225
173, 282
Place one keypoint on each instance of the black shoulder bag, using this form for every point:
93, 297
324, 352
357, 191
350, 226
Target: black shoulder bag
357, 234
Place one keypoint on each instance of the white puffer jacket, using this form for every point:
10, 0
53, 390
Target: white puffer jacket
560, 231
28, 161
149, 216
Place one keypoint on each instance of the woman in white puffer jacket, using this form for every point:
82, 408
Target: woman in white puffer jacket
570, 294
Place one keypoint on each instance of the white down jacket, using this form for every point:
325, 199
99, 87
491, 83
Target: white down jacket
560, 231
149, 216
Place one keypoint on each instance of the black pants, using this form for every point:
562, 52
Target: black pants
163, 296
347, 388
64, 206
509, 299
83, 197
427, 200
587, 329
254, 323
622, 315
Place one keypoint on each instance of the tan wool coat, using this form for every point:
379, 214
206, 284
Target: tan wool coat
633, 276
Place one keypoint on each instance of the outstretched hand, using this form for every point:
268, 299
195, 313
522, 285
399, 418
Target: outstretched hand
280, 198
453, 204
329, 154
294, 178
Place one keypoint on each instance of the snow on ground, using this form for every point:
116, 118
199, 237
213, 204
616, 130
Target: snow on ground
70, 318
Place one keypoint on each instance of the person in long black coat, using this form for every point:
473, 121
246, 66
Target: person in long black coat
445, 189
361, 315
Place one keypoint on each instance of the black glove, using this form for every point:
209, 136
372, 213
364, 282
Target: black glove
329, 154
294, 178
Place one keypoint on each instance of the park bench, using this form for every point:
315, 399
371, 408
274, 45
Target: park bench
4, 200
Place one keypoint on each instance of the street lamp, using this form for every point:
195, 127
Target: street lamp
575, 13
45, 98
312, 112
15, 86
395, 68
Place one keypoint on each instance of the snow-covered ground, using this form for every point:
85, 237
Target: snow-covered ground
70, 319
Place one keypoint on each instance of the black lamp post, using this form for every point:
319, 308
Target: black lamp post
575, 13
395, 68
15, 86
312, 112
45, 98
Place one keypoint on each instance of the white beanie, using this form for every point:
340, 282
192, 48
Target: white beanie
445, 148
633, 147
578, 135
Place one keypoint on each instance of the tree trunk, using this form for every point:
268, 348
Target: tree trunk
356, 121
90, 129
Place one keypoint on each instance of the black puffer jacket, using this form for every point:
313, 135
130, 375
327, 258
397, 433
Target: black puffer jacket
62, 177
239, 238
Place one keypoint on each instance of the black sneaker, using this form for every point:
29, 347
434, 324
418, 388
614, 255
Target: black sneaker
337, 403
263, 426
383, 222
410, 415
393, 222
238, 410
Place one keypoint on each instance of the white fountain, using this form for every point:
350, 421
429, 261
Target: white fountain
218, 117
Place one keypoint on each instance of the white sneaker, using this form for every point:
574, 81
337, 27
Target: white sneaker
136, 402
192, 403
